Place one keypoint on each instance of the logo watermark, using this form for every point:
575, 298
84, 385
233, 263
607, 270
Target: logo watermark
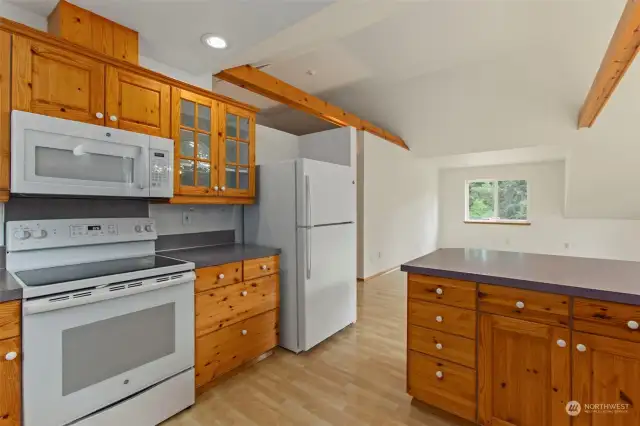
574, 408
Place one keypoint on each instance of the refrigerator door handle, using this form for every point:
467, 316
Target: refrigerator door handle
307, 182
308, 253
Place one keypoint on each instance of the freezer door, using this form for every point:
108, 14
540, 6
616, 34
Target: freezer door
326, 193
327, 280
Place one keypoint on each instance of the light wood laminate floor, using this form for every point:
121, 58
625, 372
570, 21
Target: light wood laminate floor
357, 377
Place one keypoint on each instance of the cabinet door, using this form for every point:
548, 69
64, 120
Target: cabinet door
237, 152
136, 103
606, 371
523, 373
10, 386
195, 132
5, 113
56, 82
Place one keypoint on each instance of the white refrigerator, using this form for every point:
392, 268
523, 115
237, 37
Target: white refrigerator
308, 209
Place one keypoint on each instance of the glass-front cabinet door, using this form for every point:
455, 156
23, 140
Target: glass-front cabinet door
195, 132
237, 152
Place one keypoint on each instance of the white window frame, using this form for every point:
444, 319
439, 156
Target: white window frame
495, 219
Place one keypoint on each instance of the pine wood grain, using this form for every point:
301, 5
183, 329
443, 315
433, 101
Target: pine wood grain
454, 348
606, 318
256, 268
125, 44
10, 314
454, 292
5, 111
196, 199
540, 307
10, 383
209, 278
227, 305
461, 322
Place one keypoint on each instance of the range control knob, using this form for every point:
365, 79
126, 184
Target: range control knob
138, 228
148, 228
22, 234
39, 234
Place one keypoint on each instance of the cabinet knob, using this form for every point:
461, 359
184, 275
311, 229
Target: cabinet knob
439, 319
561, 343
633, 325
439, 291
581, 348
439, 346
220, 276
10, 356
113, 118
244, 292
520, 304
439, 374
244, 332
263, 267
215, 188
222, 188
99, 115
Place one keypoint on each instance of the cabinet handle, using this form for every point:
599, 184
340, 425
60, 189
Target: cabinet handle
520, 304
215, 188
439, 319
10, 356
222, 188
439, 346
439, 374
561, 343
221, 276
113, 118
244, 332
581, 348
633, 325
263, 267
439, 291
99, 115
244, 292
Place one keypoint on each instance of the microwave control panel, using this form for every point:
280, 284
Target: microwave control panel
161, 170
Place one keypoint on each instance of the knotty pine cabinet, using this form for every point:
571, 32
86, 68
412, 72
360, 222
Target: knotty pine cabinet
10, 364
5, 115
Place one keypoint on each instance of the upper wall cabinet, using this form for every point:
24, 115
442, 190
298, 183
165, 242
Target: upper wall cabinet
138, 103
5, 114
56, 82
237, 152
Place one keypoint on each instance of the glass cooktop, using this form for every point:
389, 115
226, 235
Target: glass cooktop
83, 271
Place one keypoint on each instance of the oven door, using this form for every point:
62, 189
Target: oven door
83, 357
55, 156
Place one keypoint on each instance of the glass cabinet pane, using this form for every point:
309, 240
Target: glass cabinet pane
243, 178
232, 125
186, 143
244, 128
230, 149
204, 118
244, 153
204, 174
186, 173
187, 113
230, 177
204, 146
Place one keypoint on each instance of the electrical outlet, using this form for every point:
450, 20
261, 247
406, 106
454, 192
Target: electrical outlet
507, 241
379, 255
187, 218
566, 245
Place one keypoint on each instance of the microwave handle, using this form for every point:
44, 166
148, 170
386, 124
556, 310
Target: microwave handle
144, 154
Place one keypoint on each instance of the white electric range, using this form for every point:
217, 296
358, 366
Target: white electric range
107, 327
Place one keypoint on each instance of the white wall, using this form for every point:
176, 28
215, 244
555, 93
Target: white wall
334, 146
13, 12
550, 232
204, 218
274, 145
399, 206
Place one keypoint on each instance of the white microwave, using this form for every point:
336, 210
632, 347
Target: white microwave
63, 157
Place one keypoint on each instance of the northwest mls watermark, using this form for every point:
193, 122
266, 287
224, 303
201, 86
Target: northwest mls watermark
574, 408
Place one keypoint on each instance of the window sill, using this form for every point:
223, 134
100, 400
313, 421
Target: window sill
499, 222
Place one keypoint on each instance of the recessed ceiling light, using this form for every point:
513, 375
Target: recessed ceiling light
214, 41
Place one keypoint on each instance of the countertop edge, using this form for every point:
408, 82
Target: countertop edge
219, 257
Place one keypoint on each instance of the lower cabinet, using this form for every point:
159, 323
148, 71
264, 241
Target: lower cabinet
524, 373
10, 364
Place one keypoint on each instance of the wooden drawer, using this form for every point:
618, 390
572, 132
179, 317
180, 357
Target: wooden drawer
606, 318
10, 383
454, 391
218, 276
226, 349
443, 290
255, 268
10, 319
539, 307
227, 305
443, 345
443, 318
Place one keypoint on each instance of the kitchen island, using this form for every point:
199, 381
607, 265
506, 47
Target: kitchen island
504, 338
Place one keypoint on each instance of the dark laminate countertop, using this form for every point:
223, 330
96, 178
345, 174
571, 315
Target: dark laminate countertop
220, 254
611, 280
9, 287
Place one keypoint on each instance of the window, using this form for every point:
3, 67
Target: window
497, 201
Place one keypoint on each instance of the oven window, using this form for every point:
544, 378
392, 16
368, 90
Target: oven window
63, 163
98, 351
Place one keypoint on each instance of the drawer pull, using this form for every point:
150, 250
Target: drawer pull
221, 276
439, 346
581, 348
244, 332
439, 318
99, 115
263, 267
439, 291
439, 374
113, 118
633, 325
244, 292
520, 304
561, 343
215, 188
10, 356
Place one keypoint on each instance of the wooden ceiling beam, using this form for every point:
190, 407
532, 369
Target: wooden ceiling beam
622, 49
259, 82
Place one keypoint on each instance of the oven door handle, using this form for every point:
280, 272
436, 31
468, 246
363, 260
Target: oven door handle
99, 294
